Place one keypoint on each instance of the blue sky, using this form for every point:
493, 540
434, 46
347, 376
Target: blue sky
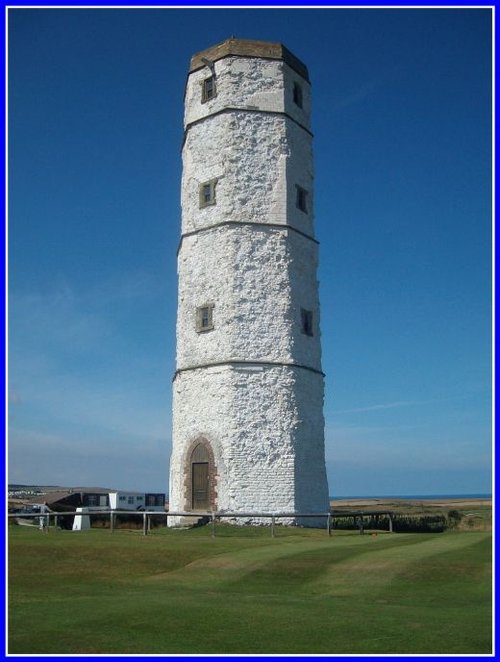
402, 149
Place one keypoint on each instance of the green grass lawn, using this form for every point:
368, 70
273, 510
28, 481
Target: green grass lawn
182, 591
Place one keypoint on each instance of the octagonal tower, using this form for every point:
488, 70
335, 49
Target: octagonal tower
248, 428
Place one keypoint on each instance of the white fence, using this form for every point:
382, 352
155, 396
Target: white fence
44, 518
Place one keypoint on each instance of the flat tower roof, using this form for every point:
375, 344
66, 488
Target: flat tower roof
249, 48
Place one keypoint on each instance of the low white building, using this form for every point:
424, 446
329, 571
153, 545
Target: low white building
137, 501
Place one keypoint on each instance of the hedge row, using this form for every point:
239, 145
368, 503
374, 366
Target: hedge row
400, 523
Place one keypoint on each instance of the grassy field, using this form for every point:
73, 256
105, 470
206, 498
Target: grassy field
182, 591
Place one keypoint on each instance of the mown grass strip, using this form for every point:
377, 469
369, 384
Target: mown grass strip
302, 592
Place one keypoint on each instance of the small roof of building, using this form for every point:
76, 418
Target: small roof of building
249, 48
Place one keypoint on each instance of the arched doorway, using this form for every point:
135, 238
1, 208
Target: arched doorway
200, 478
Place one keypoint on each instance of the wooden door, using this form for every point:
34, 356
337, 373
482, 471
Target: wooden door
201, 499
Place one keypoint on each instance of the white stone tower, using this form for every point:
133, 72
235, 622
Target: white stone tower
248, 427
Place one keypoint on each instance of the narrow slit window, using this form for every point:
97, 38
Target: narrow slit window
204, 318
208, 89
207, 193
301, 201
307, 321
297, 95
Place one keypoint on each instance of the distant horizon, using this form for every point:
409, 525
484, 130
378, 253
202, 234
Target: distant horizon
402, 206
460, 495
478, 495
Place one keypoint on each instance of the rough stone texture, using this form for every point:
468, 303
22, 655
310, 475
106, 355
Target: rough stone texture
251, 84
258, 279
265, 428
252, 386
258, 161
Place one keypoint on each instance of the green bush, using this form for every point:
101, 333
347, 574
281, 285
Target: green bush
400, 523
420, 524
